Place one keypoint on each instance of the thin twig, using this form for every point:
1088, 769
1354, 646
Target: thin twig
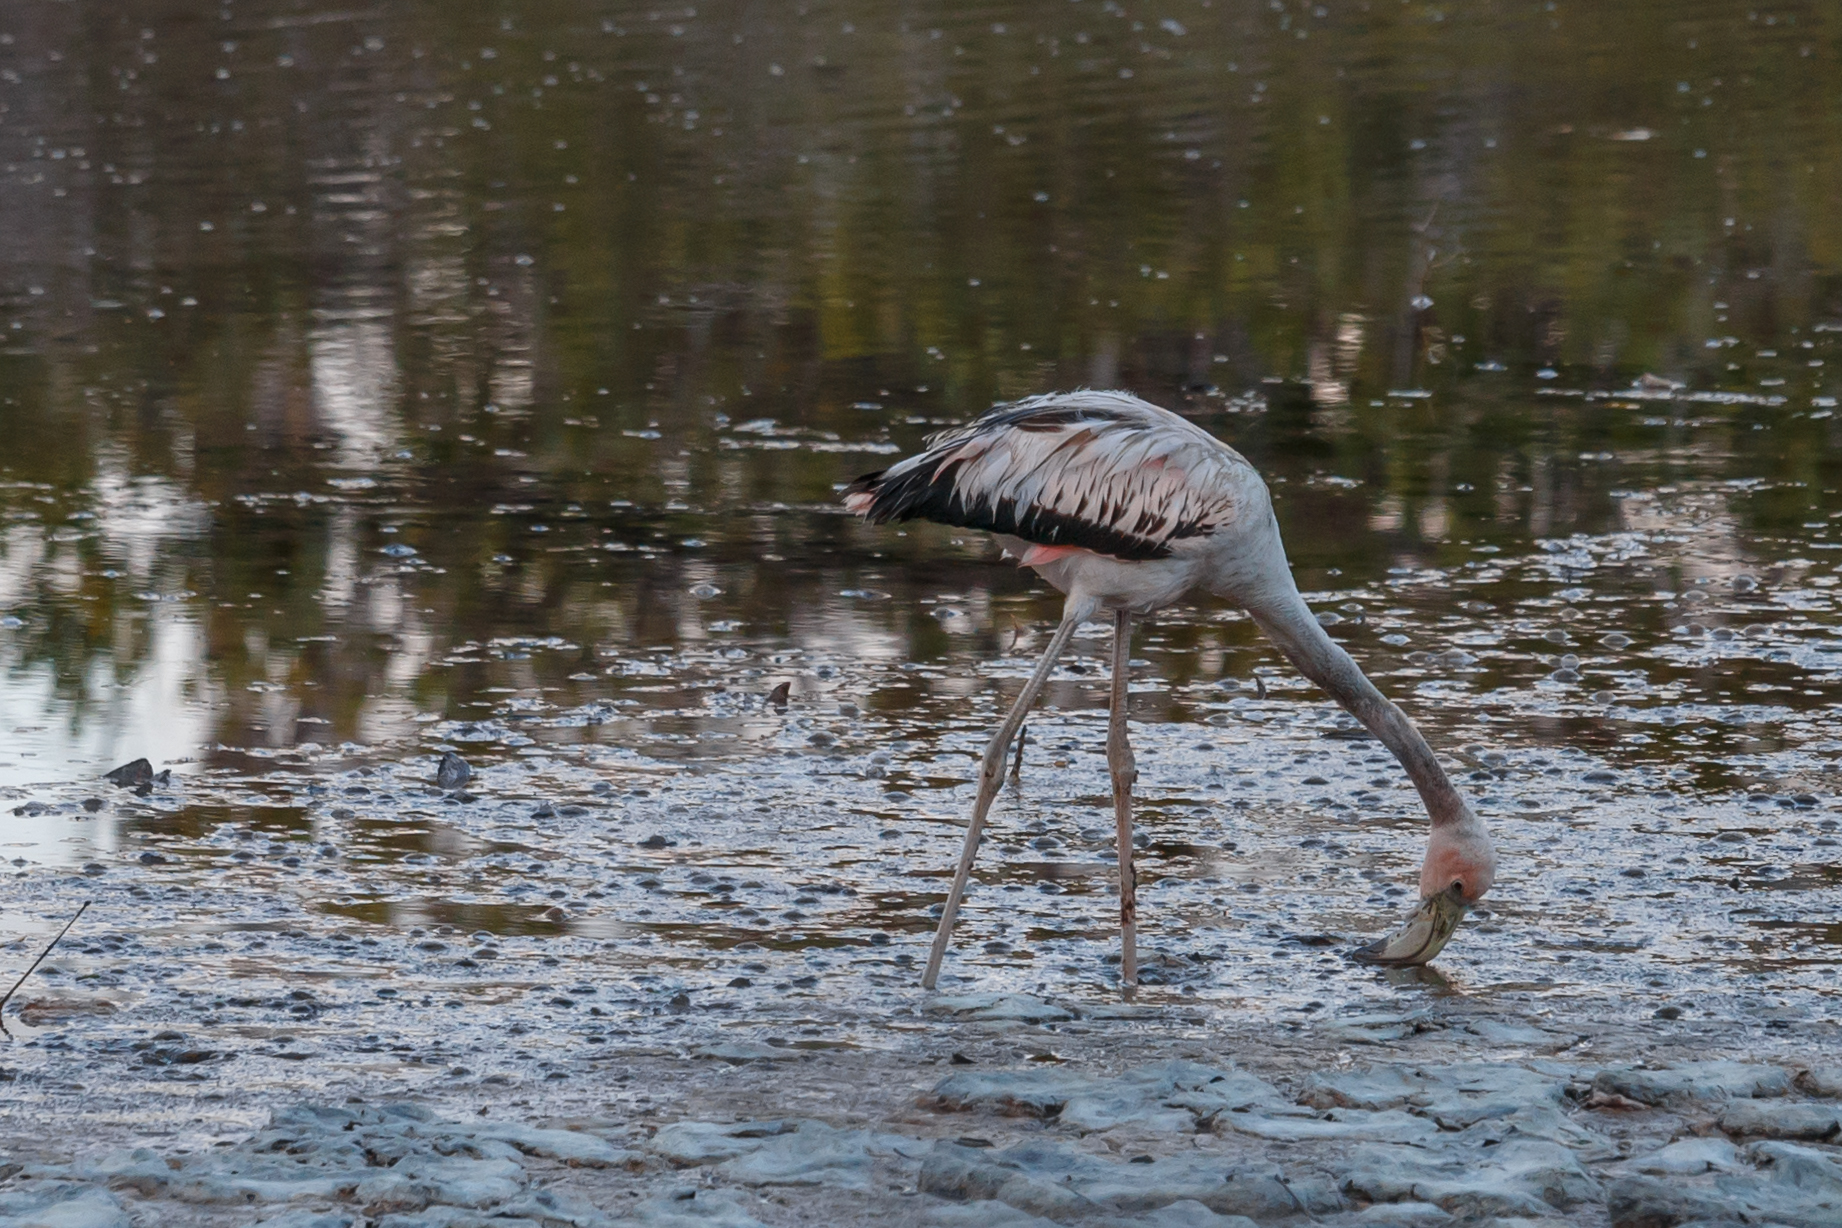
35, 963
1023, 735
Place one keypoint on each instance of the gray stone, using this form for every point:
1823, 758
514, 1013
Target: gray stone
952, 1171
453, 1217
1510, 1033
1817, 1173
141, 1170
696, 1209
1343, 1124
1542, 1122
1373, 1029
817, 1154
1187, 1213
704, 1142
418, 1181
569, 1146
1025, 1093
452, 772
1407, 1214
303, 1218
984, 1213
1692, 1082
1376, 1087
1518, 1176
1173, 1096
1823, 1081
1780, 1119
1053, 1179
402, 1165
998, 1006
60, 1204
1455, 1096
740, 1054
1645, 1202
1690, 1157
1167, 1095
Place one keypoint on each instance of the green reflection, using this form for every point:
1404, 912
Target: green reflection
333, 343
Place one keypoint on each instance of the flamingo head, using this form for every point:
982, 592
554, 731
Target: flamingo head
1460, 866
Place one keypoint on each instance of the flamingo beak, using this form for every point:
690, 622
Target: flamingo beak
1423, 935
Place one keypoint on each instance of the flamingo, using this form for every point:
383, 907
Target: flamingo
1127, 508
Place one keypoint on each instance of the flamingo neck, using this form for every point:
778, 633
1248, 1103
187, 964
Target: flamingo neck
1289, 623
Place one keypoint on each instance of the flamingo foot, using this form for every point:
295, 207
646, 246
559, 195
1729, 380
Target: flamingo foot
1422, 936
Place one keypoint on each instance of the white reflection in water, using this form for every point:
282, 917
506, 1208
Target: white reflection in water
354, 368
139, 516
162, 712
22, 550
341, 582
415, 647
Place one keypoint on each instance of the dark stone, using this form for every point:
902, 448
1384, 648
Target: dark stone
1644, 1202
452, 772
138, 775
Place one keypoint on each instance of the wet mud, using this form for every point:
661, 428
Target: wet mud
704, 905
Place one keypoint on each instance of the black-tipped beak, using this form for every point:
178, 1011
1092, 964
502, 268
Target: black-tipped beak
1423, 935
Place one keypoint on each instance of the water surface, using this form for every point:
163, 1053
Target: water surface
378, 381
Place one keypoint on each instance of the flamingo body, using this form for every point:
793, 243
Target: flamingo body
1128, 508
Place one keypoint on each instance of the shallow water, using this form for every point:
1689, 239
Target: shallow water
384, 383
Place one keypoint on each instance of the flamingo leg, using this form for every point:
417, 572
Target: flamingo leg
1124, 770
991, 776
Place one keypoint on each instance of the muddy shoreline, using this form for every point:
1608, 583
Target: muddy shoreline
586, 940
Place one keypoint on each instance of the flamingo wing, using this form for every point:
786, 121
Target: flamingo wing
1096, 471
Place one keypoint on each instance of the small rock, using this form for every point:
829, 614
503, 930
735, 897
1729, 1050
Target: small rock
1518, 1176
1691, 1082
817, 1154
1777, 1119
60, 1204
138, 775
1645, 1202
304, 1218
452, 772
1184, 1213
1823, 1081
984, 1213
702, 1142
1690, 1157
1406, 1214
695, 1209
572, 1147
738, 1054
998, 1006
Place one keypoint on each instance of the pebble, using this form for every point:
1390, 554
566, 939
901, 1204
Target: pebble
452, 772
